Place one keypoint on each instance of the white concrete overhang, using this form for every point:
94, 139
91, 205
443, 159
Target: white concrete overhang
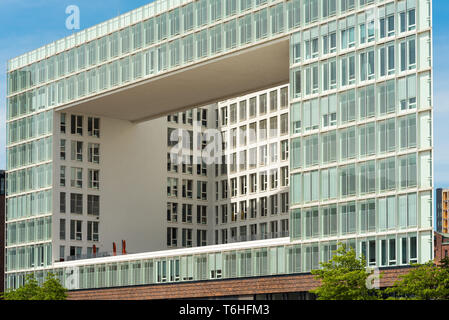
255, 68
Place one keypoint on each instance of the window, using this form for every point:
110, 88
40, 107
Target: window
77, 125
93, 152
386, 97
62, 149
366, 101
296, 83
62, 202
187, 213
367, 177
367, 140
284, 176
407, 209
386, 61
94, 179
328, 111
263, 178
274, 178
407, 171
311, 146
407, 93
347, 106
407, 54
93, 205
201, 238
186, 237
243, 185
329, 183
310, 115
187, 189
201, 214
386, 174
367, 67
329, 147
62, 229
172, 237
233, 113
295, 115
76, 230
93, 127
172, 187
263, 156
76, 203
224, 116
92, 231
386, 132
407, 131
348, 143
348, 218
63, 123
347, 177
62, 176
311, 185
274, 204
77, 151
347, 67
347, 38
284, 202
201, 189
407, 18
263, 206
76, 178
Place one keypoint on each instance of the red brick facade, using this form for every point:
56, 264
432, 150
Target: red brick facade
441, 246
220, 288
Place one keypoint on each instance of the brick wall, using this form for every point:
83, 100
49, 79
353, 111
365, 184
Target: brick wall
220, 288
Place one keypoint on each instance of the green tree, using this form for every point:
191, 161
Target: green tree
51, 289
424, 282
344, 277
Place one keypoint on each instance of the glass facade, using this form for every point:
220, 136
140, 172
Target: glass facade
360, 135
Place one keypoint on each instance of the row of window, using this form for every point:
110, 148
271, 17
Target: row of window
76, 178
33, 230
76, 125
393, 250
352, 105
352, 180
76, 230
29, 205
28, 257
76, 203
351, 32
353, 68
29, 179
187, 188
373, 215
186, 211
264, 230
356, 142
187, 237
252, 209
30, 127
252, 107
30, 153
187, 117
77, 150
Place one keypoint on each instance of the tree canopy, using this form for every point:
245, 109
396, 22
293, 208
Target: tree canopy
51, 289
344, 277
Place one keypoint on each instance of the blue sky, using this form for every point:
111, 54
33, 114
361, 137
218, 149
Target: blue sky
28, 24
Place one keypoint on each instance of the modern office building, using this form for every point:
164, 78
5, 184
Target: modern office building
442, 219
338, 94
